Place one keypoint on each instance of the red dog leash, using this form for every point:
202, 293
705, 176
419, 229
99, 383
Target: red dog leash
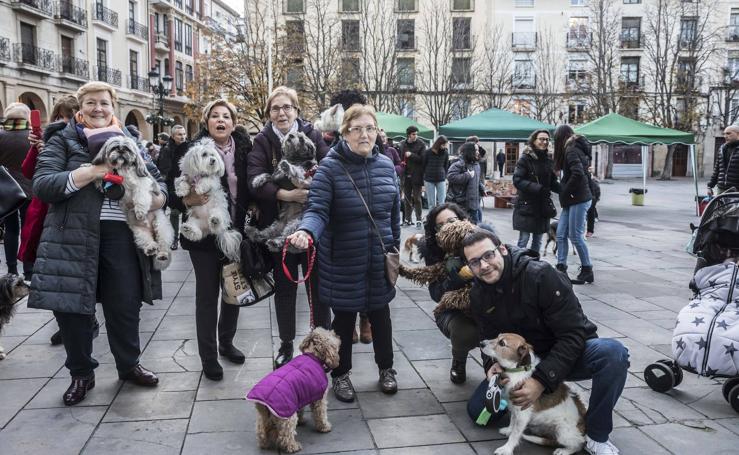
311, 252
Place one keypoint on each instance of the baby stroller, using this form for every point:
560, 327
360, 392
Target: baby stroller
706, 336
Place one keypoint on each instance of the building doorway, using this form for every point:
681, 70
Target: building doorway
511, 157
680, 161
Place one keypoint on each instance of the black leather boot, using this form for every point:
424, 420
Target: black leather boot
585, 275
458, 373
284, 354
78, 389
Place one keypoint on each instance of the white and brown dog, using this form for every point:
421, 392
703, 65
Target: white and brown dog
152, 231
555, 419
281, 395
12, 290
411, 246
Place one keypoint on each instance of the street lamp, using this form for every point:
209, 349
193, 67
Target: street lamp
160, 87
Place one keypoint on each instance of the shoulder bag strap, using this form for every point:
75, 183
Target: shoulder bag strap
369, 214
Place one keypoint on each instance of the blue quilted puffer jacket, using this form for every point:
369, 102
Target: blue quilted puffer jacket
351, 262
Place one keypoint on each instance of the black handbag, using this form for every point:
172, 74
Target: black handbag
12, 195
256, 260
548, 210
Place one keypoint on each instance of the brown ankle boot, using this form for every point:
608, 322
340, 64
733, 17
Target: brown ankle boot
365, 330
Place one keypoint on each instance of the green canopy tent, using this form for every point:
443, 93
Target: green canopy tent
395, 126
493, 125
617, 129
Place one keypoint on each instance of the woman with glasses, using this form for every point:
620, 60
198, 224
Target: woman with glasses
454, 324
534, 178
353, 182
283, 109
572, 155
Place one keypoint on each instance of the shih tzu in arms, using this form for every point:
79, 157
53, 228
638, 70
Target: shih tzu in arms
12, 290
202, 168
152, 231
295, 170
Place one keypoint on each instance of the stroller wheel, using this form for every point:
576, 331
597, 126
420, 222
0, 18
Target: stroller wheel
676, 370
660, 376
728, 385
734, 398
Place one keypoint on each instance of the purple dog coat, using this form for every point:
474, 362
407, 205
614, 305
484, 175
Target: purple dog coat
287, 389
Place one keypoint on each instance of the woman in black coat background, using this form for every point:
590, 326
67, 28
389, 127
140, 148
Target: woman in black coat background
534, 178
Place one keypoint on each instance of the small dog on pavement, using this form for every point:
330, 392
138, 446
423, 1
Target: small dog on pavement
555, 419
281, 395
411, 246
552, 238
12, 290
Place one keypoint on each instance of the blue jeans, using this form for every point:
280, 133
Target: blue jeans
572, 222
523, 240
606, 362
435, 193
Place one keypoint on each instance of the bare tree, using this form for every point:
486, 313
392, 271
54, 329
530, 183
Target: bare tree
378, 59
495, 67
681, 39
549, 73
603, 55
321, 61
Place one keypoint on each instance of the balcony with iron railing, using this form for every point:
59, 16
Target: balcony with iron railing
523, 82
34, 57
68, 15
4, 50
138, 83
73, 67
41, 9
137, 30
523, 41
632, 42
687, 81
161, 5
631, 83
732, 34
577, 81
578, 40
161, 43
108, 74
105, 16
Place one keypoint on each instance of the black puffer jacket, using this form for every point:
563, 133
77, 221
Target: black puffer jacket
414, 162
435, 165
575, 175
243, 147
66, 267
534, 178
726, 167
535, 301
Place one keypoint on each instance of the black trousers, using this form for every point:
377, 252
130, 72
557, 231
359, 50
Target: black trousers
461, 331
286, 294
208, 265
120, 291
412, 199
13, 225
382, 338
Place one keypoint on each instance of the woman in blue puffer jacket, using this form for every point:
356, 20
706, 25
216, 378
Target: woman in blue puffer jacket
351, 260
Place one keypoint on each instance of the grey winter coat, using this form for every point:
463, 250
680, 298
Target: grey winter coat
66, 269
465, 190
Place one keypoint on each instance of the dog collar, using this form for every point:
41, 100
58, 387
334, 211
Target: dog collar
518, 369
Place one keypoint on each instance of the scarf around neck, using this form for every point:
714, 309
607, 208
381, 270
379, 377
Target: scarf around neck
280, 136
80, 119
228, 154
15, 124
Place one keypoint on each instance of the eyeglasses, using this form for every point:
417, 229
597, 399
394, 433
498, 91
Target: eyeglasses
542, 139
286, 108
488, 257
448, 221
357, 130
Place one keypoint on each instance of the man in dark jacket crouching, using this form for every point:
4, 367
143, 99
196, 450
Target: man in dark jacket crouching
514, 292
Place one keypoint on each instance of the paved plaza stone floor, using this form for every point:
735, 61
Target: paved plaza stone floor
642, 276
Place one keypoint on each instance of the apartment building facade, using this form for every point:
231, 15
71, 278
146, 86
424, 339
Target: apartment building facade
50, 48
546, 49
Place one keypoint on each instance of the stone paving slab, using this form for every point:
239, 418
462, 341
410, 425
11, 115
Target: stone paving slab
642, 276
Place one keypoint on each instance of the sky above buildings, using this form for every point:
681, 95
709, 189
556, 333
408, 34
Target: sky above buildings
237, 5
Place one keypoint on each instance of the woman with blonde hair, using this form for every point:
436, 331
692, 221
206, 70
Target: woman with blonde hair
284, 109
216, 331
353, 215
87, 253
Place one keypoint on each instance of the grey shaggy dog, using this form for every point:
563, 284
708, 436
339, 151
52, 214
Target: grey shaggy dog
12, 289
295, 170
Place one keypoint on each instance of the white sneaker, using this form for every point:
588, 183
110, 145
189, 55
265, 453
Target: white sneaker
600, 448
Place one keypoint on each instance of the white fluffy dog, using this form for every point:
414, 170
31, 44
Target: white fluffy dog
202, 168
152, 231
555, 419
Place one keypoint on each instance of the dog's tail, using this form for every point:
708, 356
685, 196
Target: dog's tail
229, 242
540, 440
